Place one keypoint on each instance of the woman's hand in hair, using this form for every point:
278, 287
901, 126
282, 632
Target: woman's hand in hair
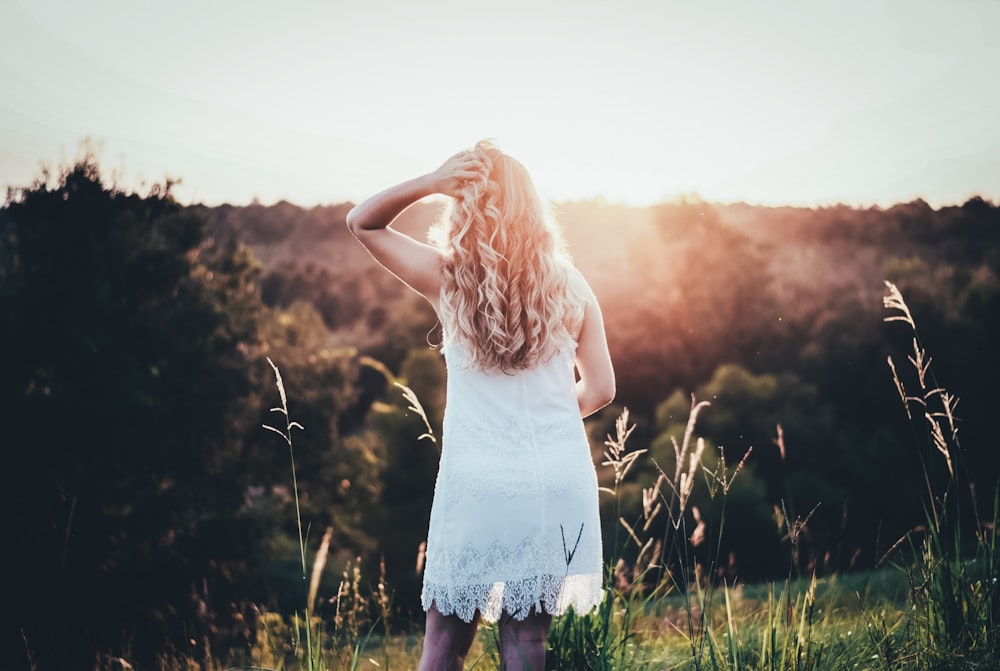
456, 173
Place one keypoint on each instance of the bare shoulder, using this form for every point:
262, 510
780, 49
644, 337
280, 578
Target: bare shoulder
578, 284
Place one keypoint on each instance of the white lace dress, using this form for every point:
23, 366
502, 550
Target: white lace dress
514, 524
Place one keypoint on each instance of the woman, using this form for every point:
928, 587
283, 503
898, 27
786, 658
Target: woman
514, 532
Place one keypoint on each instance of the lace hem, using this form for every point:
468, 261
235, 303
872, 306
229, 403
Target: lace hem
544, 593
546, 577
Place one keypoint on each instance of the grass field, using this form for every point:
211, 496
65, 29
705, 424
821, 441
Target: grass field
858, 621
933, 604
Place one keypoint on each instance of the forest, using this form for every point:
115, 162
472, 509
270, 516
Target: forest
147, 510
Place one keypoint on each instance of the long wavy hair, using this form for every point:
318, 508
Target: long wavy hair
509, 293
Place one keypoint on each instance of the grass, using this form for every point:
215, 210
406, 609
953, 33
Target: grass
954, 593
933, 604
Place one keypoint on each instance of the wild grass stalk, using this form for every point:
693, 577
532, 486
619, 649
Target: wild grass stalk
609, 637
286, 435
953, 579
352, 606
603, 638
696, 582
718, 628
358, 612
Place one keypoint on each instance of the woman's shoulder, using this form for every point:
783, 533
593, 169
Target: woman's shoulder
577, 283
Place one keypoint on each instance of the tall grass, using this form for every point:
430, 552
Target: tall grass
953, 576
952, 613
602, 639
305, 642
672, 607
306, 625
610, 637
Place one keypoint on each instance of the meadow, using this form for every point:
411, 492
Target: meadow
932, 603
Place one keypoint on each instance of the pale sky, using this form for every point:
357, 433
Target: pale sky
804, 102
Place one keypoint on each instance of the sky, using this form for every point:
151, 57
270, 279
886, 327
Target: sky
770, 102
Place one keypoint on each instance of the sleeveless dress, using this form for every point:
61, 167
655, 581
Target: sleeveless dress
514, 522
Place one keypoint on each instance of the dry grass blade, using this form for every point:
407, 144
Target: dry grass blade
681, 451
281, 386
940, 442
631, 531
780, 441
648, 555
798, 526
319, 563
698, 535
894, 301
950, 403
651, 506
615, 455
409, 395
921, 363
280, 433
900, 389
685, 484
415, 406
727, 480
720, 477
377, 365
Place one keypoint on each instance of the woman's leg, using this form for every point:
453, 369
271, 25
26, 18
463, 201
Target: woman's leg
523, 642
447, 640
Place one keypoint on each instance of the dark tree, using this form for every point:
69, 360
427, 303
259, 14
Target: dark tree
126, 332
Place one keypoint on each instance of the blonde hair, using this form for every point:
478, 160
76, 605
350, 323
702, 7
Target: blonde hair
509, 292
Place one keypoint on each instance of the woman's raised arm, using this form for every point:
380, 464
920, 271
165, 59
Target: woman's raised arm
416, 264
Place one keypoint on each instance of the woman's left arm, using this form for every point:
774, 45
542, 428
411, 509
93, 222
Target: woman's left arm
596, 387
416, 264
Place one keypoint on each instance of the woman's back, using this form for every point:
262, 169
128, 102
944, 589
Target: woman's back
537, 396
515, 521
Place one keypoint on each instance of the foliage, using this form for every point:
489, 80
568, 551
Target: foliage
339, 465
746, 411
305, 640
126, 333
407, 431
694, 292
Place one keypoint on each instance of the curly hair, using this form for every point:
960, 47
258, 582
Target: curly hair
509, 292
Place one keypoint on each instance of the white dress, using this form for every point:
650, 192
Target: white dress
514, 524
